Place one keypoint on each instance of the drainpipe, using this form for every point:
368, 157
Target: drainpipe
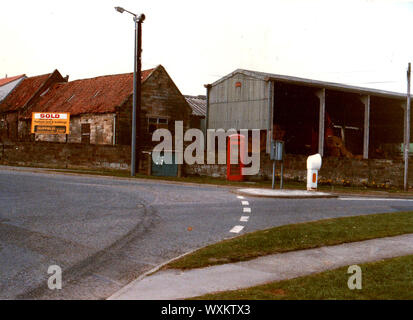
114, 129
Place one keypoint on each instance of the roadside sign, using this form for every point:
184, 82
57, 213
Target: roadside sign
276, 154
277, 150
50, 123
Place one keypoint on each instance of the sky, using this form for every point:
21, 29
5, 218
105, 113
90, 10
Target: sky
362, 43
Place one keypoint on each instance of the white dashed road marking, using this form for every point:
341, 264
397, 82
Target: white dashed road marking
236, 229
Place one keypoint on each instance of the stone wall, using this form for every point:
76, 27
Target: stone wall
337, 171
344, 171
341, 171
209, 170
65, 155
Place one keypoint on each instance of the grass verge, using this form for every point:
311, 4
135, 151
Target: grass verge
297, 237
189, 179
263, 183
382, 280
288, 184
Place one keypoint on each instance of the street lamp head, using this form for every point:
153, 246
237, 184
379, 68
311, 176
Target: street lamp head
141, 17
136, 18
119, 9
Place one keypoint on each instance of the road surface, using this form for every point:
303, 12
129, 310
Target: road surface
104, 232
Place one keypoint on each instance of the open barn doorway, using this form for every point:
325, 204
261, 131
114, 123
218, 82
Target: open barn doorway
344, 124
296, 114
386, 129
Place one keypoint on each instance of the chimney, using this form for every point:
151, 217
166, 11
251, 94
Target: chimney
66, 78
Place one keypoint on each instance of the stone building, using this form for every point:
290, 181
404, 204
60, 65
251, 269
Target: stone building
24, 95
100, 108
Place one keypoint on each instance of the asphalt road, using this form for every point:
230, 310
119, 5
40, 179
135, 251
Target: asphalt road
104, 232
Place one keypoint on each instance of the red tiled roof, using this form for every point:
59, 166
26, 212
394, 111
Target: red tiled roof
95, 95
23, 92
10, 79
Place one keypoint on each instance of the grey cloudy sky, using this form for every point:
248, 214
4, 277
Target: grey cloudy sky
364, 43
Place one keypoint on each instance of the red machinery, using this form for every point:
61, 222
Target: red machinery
235, 154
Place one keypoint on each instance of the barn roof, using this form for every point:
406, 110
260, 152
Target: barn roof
10, 79
95, 95
197, 104
312, 83
23, 93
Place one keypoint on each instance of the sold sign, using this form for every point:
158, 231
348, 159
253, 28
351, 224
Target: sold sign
43, 115
50, 123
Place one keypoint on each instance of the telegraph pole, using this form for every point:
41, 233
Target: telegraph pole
137, 79
407, 131
137, 93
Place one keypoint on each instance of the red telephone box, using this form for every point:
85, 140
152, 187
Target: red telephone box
235, 150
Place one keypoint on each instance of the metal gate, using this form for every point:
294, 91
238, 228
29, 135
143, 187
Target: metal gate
161, 169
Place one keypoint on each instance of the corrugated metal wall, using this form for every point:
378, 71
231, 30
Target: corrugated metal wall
244, 107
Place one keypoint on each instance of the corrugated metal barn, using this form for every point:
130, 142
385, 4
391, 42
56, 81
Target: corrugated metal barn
310, 116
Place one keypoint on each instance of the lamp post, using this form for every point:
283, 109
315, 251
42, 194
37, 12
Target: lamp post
137, 78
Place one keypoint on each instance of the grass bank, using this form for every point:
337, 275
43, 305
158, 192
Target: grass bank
298, 237
382, 280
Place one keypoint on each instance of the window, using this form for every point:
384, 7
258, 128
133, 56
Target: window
85, 133
157, 123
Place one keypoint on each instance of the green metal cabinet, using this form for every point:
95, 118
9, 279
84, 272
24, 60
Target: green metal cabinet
161, 169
